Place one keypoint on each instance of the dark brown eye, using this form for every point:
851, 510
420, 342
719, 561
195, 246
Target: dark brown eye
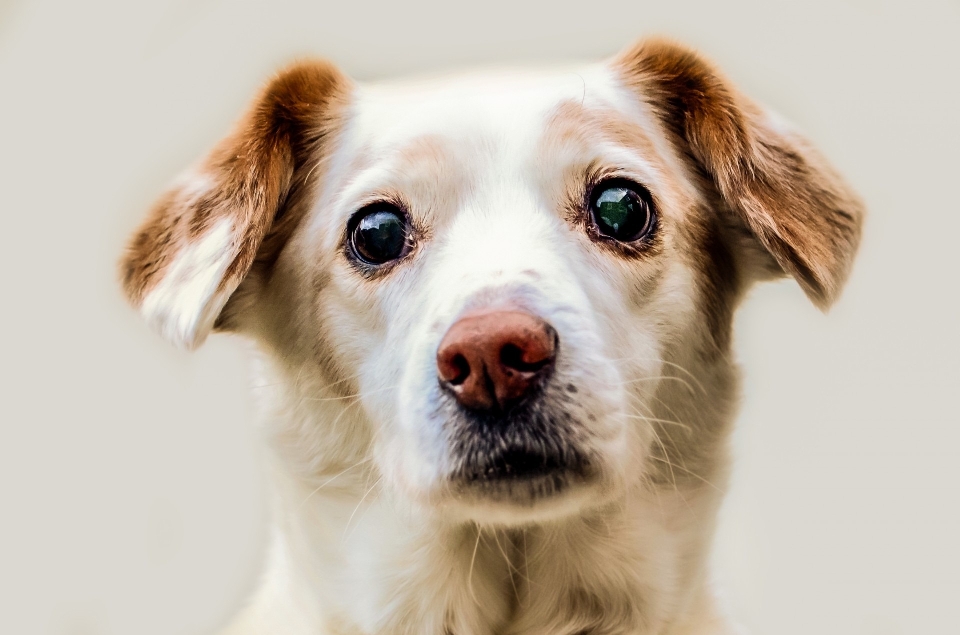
622, 210
378, 234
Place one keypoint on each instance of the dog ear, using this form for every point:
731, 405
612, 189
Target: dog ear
793, 202
203, 235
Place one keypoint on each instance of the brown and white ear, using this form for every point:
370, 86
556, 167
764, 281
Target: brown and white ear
792, 201
203, 235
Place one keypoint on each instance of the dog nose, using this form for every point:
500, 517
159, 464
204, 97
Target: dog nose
492, 360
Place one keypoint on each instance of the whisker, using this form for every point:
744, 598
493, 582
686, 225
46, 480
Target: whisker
270, 385
660, 377
473, 559
662, 403
333, 478
673, 476
510, 567
296, 381
353, 396
670, 464
693, 474
687, 372
648, 481
658, 420
542, 551
665, 362
357, 508
327, 386
526, 565
345, 410
663, 448
658, 360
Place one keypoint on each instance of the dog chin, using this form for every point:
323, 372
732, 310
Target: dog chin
513, 502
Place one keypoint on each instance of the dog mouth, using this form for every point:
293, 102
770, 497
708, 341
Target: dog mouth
531, 452
519, 476
517, 464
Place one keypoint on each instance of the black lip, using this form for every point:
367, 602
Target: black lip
520, 464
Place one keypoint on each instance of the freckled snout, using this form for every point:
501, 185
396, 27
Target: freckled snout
490, 361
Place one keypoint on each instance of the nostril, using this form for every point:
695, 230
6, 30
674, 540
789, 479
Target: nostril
512, 356
461, 368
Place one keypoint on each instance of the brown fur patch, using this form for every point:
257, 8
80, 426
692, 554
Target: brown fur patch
572, 123
697, 230
259, 175
792, 201
688, 444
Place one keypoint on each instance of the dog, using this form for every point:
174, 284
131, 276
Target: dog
492, 317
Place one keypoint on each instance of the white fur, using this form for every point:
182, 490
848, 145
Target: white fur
185, 303
368, 537
370, 542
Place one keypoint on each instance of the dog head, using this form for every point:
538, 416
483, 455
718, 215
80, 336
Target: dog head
509, 293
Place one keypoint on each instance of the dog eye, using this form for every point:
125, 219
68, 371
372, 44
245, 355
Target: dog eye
378, 234
622, 210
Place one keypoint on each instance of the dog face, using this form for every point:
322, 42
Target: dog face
496, 291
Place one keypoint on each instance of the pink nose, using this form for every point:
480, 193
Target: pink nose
492, 360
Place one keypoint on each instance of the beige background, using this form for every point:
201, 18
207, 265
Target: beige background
130, 496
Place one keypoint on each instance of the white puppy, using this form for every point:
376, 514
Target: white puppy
493, 318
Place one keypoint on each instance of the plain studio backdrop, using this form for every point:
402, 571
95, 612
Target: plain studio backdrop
131, 499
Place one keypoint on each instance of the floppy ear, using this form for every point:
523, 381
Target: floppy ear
785, 193
203, 235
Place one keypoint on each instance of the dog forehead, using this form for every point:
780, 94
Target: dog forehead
506, 106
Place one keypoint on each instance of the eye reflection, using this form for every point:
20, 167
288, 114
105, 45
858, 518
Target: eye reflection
622, 210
